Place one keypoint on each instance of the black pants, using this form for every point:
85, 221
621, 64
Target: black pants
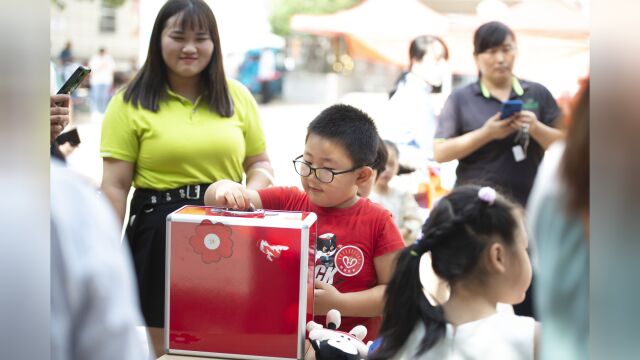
146, 234
265, 91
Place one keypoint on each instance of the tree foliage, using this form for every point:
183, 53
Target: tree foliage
284, 9
114, 3
58, 3
62, 4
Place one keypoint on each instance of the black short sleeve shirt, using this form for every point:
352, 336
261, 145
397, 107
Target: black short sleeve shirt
468, 108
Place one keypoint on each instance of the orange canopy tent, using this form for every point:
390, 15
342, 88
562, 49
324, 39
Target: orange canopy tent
376, 29
552, 36
550, 18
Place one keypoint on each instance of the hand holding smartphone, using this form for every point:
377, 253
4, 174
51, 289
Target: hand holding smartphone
510, 107
60, 117
70, 137
74, 80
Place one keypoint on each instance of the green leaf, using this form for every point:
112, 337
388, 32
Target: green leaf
283, 10
113, 3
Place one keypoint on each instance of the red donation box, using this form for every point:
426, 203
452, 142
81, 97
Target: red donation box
239, 284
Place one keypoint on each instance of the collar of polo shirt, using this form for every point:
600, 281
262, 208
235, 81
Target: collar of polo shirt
515, 85
182, 98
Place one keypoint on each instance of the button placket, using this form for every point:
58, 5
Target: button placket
194, 108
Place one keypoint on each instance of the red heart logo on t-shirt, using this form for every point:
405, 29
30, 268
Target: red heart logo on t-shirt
349, 261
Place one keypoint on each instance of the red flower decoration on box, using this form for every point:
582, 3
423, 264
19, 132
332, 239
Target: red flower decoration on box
212, 241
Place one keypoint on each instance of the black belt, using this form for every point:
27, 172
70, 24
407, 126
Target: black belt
188, 192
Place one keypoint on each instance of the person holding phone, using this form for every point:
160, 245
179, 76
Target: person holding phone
177, 127
59, 114
502, 153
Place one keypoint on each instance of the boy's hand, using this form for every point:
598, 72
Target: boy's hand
326, 297
230, 194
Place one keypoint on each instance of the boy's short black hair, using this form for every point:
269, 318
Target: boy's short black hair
350, 127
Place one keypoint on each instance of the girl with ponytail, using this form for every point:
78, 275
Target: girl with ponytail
478, 245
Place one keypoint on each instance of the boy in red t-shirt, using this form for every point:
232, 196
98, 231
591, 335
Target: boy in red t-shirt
358, 240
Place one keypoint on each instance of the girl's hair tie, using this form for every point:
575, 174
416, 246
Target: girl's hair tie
420, 246
415, 247
487, 194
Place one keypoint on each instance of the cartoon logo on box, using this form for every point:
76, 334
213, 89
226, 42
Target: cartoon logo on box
332, 258
212, 241
272, 251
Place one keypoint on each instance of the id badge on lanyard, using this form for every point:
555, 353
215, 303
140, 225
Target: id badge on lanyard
521, 144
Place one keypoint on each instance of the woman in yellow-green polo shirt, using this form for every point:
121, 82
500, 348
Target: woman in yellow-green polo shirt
179, 126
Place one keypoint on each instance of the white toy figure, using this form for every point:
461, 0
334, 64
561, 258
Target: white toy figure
332, 344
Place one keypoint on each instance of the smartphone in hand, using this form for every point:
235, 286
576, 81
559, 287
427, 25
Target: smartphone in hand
72, 137
74, 80
510, 107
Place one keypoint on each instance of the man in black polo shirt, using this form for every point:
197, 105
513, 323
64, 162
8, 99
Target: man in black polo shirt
503, 153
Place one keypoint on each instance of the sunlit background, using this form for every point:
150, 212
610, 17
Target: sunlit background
326, 51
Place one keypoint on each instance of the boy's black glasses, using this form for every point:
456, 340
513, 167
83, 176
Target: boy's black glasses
323, 175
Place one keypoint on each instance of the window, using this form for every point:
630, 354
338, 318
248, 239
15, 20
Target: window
107, 21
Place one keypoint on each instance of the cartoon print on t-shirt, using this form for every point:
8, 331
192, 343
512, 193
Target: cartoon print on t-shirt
332, 258
326, 247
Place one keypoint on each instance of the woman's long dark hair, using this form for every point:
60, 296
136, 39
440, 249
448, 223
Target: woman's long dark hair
457, 231
148, 87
